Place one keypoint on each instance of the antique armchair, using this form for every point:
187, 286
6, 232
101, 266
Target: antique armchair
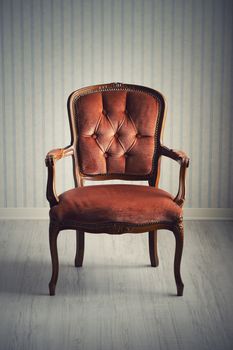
116, 134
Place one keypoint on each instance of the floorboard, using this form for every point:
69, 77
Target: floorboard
116, 300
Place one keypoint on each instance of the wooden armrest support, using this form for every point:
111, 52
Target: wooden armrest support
50, 161
183, 160
57, 154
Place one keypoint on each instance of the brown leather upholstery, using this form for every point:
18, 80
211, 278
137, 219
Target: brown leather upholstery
116, 132
133, 204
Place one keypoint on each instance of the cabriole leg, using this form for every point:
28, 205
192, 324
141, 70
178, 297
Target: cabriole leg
53, 233
153, 248
179, 236
79, 249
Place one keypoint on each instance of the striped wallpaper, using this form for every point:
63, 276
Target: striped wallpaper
49, 48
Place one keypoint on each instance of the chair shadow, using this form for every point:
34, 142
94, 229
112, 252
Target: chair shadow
31, 278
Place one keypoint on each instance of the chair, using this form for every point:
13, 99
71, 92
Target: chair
116, 134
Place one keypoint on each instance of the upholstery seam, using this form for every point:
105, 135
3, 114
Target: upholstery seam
110, 144
98, 122
116, 223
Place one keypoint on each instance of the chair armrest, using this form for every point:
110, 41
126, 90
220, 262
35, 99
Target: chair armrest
50, 161
183, 160
58, 153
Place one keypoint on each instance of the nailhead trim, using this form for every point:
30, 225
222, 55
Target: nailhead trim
118, 226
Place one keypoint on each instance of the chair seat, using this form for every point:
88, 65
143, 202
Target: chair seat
103, 204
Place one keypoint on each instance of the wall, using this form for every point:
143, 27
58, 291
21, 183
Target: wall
180, 47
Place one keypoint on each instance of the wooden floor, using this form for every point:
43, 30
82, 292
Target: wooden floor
116, 301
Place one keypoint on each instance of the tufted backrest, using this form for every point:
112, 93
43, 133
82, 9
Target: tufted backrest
116, 129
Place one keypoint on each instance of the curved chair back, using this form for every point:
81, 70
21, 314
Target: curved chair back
116, 130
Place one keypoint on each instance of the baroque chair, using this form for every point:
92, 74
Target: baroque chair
116, 132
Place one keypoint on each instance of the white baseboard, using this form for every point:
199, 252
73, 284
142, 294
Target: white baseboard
208, 213
189, 213
24, 213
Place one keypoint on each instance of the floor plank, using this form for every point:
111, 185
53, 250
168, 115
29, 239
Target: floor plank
116, 301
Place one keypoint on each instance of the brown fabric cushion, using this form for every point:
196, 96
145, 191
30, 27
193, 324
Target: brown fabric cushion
116, 132
131, 204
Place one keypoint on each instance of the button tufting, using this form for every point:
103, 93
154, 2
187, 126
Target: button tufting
116, 130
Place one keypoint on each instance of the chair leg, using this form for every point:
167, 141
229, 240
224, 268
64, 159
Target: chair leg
53, 233
179, 236
153, 248
80, 238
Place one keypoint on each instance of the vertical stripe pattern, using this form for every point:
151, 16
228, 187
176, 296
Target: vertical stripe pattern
51, 47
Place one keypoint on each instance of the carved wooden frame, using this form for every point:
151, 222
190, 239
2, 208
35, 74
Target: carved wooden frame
152, 178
